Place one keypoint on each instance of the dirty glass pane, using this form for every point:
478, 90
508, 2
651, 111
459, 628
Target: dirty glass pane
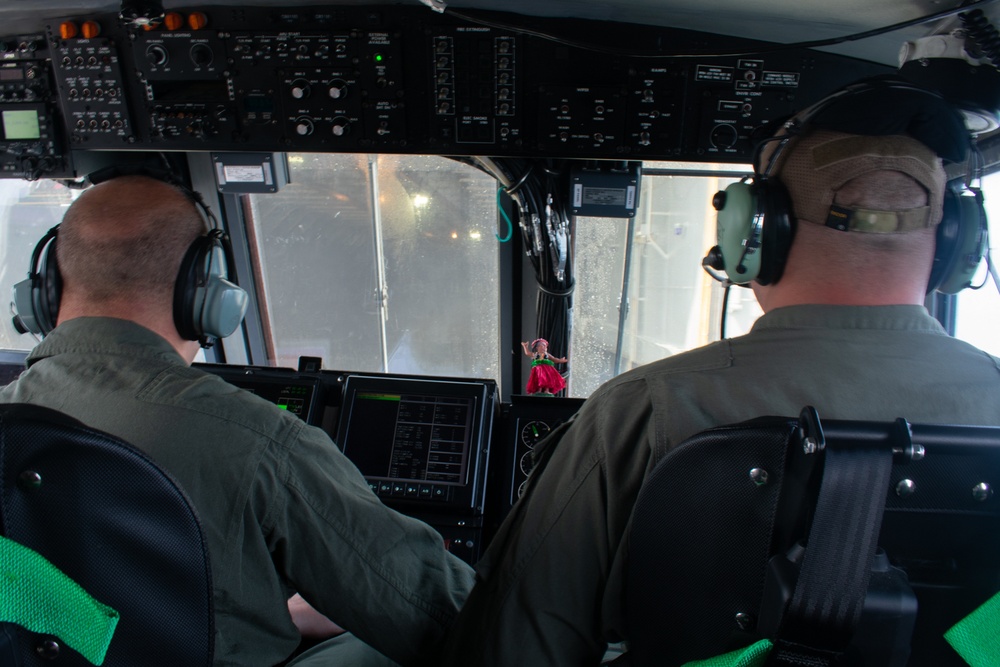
672, 304
600, 262
441, 263
407, 285
977, 312
669, 293
316, 257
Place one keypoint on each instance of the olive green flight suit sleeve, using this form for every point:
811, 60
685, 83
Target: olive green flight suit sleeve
383, 576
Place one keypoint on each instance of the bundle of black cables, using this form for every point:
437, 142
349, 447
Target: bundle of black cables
539, 189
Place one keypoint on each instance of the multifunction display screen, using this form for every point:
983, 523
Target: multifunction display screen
415, 439
421, 437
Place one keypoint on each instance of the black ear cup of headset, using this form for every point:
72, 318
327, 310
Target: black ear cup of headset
36, 299
754, 232
961, 243
207, 304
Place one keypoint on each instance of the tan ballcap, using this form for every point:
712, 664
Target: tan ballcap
815, 166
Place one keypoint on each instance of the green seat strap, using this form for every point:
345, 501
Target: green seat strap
36, 595
750, 656
977, 636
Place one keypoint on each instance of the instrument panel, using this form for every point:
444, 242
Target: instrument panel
396, 80
524, 422
32, 139
443, 450
530, 433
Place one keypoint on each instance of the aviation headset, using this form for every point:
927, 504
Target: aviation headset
207, 305
756, 224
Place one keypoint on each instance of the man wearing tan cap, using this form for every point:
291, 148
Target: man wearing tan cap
840, 264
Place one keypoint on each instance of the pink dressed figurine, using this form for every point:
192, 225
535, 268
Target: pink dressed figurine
544, 380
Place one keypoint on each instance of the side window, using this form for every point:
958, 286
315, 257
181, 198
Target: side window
977, 311
381, 263
670, 304
27, 211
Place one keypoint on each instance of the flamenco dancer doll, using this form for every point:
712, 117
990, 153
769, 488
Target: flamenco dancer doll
544, 380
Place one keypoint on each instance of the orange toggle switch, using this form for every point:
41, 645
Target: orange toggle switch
90, 29
197, 20
68, 30
173, 21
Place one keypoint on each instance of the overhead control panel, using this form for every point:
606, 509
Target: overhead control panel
91, 91
395, 80
32, 143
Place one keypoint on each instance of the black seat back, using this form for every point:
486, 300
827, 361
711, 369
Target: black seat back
109, 518
719, 527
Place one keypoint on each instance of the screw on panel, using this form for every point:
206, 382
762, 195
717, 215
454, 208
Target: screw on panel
982, 492
744, 621
810, 445
759, 476
906, 488
47, 649
29, 480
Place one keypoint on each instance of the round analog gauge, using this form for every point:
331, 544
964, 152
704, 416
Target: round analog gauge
527, 463
533, 432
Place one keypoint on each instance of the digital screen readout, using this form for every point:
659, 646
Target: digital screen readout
20, 124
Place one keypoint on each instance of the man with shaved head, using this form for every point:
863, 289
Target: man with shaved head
841, 267
119, 252
283, 511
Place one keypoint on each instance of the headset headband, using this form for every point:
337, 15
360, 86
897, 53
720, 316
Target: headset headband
879, 106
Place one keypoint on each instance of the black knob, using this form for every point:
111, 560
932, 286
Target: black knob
157, 55
201, 55
724, 136
719, 200
714, 259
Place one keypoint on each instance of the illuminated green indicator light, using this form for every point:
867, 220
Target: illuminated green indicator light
283, 407
378, 57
